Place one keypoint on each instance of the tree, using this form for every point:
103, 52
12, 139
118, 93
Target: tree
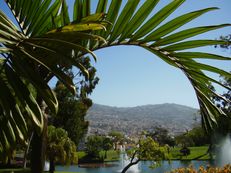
60, 147
195, 137
45, 41
161, 135
30, 57
223, 127
226, 38
117, 137
106, 145
93, 146
146, 149
72, 111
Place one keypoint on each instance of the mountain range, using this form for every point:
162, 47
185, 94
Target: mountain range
133, 120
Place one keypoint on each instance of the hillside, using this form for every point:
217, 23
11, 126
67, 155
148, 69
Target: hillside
132, 120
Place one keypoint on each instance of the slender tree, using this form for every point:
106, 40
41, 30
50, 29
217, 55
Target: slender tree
72, 111
146, 149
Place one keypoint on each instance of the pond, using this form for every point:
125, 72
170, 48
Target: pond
141, 167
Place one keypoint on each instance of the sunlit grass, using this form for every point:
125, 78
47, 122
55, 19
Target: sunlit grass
196, 153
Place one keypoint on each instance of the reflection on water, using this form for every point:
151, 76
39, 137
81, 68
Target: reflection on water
142, 166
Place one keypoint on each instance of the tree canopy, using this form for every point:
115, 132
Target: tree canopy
60, 147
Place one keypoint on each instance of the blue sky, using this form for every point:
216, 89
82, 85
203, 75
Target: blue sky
131, 76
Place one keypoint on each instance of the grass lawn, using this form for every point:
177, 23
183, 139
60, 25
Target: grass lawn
196, 153
112, 155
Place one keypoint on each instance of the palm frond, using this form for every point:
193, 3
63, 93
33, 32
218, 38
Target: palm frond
164, 42
29, 53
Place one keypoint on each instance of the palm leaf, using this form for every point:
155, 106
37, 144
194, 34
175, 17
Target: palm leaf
161, 42
31, 53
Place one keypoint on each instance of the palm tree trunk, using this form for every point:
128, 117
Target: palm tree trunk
38, 144
27, 151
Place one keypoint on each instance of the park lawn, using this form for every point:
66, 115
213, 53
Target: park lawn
112, 155
196, 153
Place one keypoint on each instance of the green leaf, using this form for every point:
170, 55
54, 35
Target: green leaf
79, 27
65, 44
162, 56
101, 7
186, 34
86, 10
64, 13
203, 77
157, 19
4, 20
197, 65
192, 44
138, 18
98, 17
201, 55
74, 37
43, 20
77, 12
4, 141
22, 92
5, 50
123, 19
174, 24
52, 68
112, 14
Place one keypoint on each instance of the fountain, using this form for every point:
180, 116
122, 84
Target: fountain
125, 160
224, 152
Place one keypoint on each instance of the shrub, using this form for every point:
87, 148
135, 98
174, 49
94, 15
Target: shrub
201, 169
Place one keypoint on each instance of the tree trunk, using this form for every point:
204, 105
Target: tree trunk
27, 151
38, 144
129, 165
105, 154
52, 165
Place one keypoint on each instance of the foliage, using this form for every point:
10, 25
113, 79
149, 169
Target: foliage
112, 155
195, 137
147, 149
196, 153
161, 135
117, 137
208, 169
93, 146
30, 56
226, 38
45, 41
223, 127
107, 144
60, 147
71, 113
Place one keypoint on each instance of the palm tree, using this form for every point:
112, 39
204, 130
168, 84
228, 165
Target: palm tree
30, 57
45, 41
